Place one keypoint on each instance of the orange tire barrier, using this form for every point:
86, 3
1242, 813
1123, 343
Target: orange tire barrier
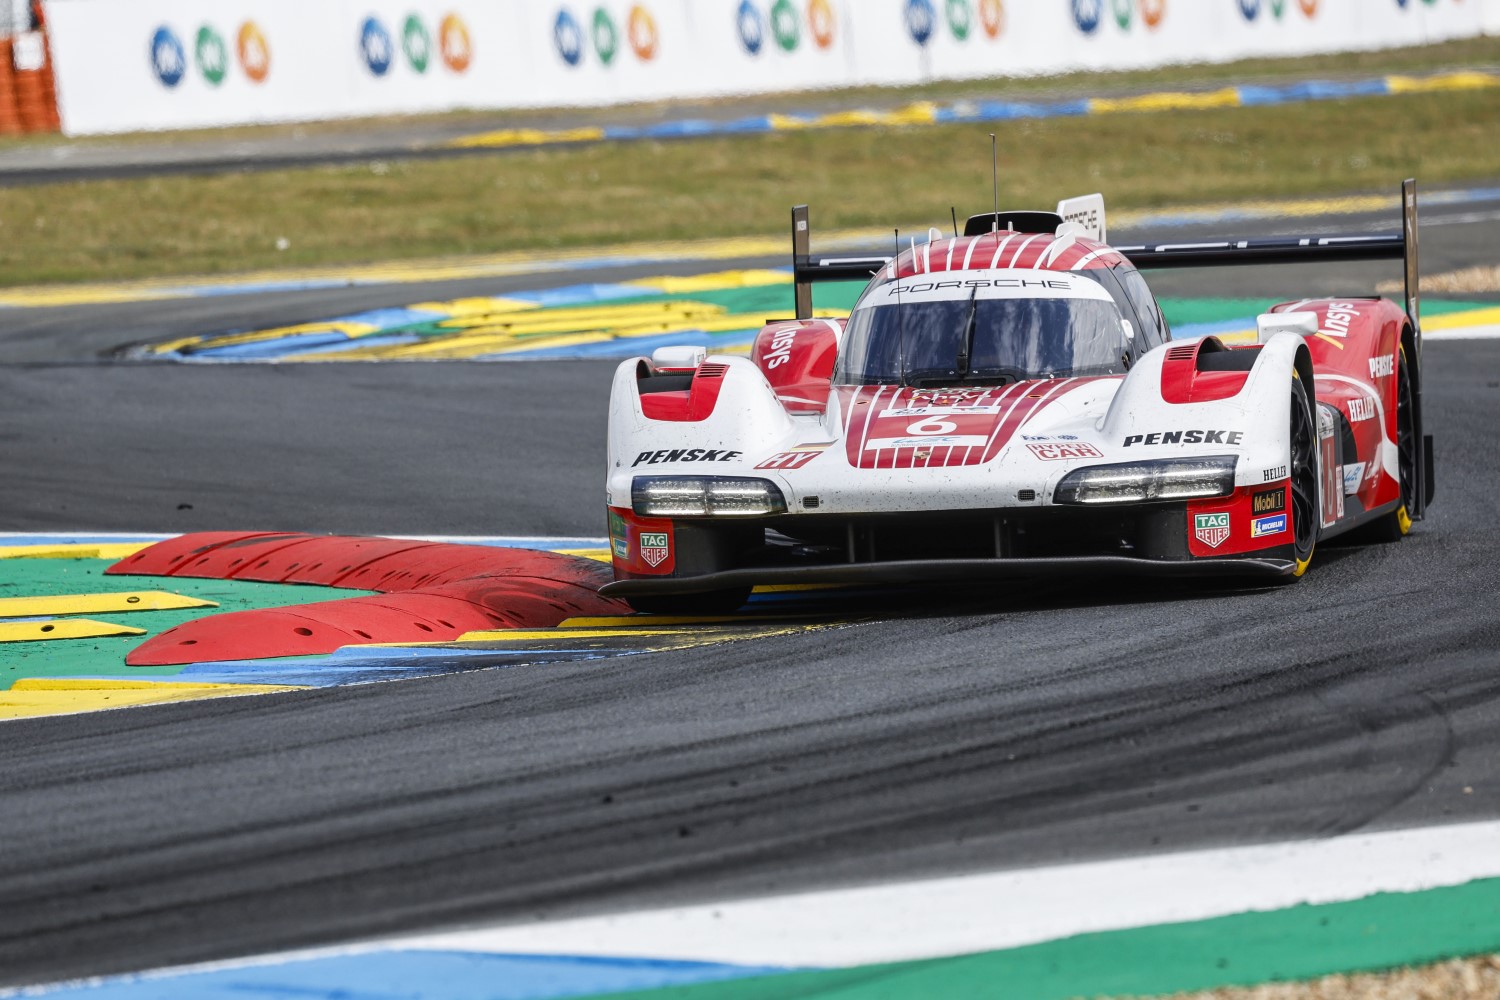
10, 119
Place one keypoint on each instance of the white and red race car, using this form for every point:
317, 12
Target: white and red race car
1010, 403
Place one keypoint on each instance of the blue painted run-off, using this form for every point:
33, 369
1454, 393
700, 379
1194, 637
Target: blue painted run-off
410, 975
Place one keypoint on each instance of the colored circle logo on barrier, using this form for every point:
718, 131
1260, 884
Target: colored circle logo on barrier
1278, 8
1123, 12
375, 46
640, 28
568, 37
254, 52
416, 43
1249, 9
168, 60
212, 55
1310, 7
920, 20
786, 25
1154, 11
821, 23
992, 17
752, 28
960, 18
606, 36
454, 43
1088, 13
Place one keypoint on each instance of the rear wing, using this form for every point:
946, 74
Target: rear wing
808, 268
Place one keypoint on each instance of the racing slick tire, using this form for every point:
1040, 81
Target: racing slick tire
1393, 526
715, 602
1303, 442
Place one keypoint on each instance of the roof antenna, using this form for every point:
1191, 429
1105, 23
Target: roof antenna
995, 178
900, 316
954, 211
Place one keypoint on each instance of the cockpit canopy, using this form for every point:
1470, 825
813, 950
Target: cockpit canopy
983, 327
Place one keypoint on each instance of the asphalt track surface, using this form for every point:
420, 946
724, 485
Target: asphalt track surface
956, 731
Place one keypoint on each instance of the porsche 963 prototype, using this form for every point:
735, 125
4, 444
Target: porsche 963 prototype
1011, 403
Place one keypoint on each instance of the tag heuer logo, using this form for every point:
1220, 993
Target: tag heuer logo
655, 549
1211, 529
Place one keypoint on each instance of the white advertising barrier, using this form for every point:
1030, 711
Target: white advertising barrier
150, 64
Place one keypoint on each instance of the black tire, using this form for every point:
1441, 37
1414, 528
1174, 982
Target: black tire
1304, 501
716, 602
1394, 526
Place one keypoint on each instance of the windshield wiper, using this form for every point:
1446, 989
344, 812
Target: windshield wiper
966, 345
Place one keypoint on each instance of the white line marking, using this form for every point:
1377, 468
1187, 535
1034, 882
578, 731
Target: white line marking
1464, 333
984, 912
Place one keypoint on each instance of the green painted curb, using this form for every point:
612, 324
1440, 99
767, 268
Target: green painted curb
1379, 932
105, 657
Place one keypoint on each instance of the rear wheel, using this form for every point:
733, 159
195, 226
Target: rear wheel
1303, 440
1392, 526
716, 602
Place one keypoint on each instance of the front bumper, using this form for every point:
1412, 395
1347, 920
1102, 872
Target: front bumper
952, 571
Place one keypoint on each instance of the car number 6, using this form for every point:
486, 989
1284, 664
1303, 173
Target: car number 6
933, 426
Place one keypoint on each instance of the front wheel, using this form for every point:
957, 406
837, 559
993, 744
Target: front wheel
1303, 441
715, 602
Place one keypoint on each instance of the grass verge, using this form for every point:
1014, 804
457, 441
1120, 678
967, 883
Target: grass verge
1459, 979
565, 197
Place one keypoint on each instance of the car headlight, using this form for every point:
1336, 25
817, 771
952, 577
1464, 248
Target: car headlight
1144, 482
705, 496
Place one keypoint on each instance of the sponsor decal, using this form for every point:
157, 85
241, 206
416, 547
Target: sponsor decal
1336, 321
789, 459
1153, 12
254, 52
786, 26
960, 18
168, 60
1049, 437
640, 28
619, 536
655, 547
1272, 474
920, 20
947, 441
684, 455
1262, 526
1383, 366
375, 46
920, 287
1249, 9
567, 36
1186, 437
1310, 7
1087, 14
606, 36
751, 26
455, 44
1361, 408
1122, 13
1354, 474
781, 348
992, 18
416, 43
1211, 529
212, 55
821, 22
1268, 501
1059, 452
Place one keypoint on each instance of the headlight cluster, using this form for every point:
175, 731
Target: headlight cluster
1143, 482
705, 496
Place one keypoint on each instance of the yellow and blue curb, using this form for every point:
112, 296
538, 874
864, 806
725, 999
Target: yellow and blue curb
927, 113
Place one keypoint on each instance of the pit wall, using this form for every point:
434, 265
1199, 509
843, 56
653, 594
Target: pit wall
164, 64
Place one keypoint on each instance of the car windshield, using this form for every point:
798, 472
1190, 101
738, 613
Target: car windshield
983, 327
